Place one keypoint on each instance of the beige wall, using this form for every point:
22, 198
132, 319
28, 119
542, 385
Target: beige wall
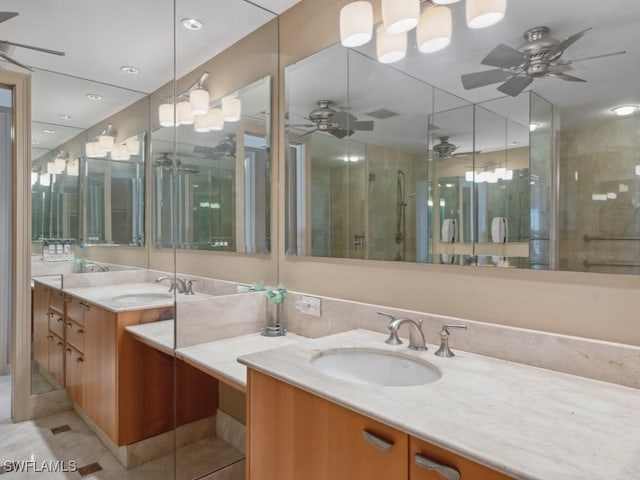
589, 305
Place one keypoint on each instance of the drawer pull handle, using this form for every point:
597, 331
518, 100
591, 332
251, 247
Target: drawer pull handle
68, 350
59, 320
69, 324
79, 359
49, 314
60, 344
50, 337
80, 331
376, 441
445, 472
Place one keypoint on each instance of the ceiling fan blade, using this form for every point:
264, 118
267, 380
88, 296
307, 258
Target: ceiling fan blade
568, 78
4, 16
310, 132
569, 62
301, 125
559, 68
559, 49
342, 118
515, 85
503, 56
482, 79
363, 125
464, 154
340, 133
39, 49
15, 62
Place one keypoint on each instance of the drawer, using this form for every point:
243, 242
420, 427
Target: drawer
56, 300
75, 310
75, 335
56, 323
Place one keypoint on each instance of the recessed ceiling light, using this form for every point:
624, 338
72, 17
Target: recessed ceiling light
65, 117
94, 96
48, 130
533, 126
624, 110
130, 70
513, 143
191, 23
34, 142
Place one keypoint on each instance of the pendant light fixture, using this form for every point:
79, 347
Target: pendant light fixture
199, 100
231, 108
356, 24
399, 16
434, 30
390, 47
484, 13
45, 180
215, 119
133, 146
106, 139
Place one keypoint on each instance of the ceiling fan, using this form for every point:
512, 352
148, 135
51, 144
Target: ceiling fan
6, 44
540, 56
164, 162
340, 124
445, 149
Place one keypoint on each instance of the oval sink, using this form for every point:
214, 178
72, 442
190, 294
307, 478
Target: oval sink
376, 367
143, 297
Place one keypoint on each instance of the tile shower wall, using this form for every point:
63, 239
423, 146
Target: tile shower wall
600, 197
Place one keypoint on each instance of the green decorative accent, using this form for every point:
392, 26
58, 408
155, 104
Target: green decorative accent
276, 294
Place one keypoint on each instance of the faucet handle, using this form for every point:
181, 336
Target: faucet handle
444, 350
393, 330
189, 286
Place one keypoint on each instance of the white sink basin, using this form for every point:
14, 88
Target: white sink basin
143, 298
376, 367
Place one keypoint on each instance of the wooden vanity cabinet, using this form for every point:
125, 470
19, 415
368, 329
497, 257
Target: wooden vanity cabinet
49, 331
293, 434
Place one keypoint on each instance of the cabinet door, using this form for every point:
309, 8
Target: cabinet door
428, 462
99, 369
74, 374
41, 325
295, 435
56, 359
56, 323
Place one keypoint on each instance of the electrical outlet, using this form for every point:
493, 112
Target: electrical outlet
309, 306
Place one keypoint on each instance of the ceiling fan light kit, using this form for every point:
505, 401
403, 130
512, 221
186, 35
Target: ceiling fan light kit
231, 108
215, 119
356, 24
434, 29
165, 115
433, 25
199, 101
184, 115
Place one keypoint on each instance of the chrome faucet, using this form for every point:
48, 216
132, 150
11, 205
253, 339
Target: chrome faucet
94, 267
444, 350
416, 337
176, 284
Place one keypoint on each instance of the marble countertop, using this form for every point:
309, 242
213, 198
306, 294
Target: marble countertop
130, 296
217, 358
527, 422
159, 335
53, 281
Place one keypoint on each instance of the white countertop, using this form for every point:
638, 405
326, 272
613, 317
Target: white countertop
129, 296
217, 358
159, 335
525, 421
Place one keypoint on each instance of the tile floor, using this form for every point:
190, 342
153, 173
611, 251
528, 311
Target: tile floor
67, 438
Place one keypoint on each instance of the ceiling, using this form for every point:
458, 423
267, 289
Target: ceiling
611, 81
100, 37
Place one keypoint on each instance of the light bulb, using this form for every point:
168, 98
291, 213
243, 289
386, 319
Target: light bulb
215, 119
183, 113
484, 13
199, 100
165, 115
434, 30
231, 108
201, 124
356, 24
400, 16
390, 48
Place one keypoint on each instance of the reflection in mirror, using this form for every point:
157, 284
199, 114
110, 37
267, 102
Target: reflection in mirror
113, 196
222, 182
399, 170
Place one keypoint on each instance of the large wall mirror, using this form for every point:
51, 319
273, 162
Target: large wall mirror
220, 188
408, 162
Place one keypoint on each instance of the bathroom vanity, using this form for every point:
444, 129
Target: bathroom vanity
124, 387
484, 418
